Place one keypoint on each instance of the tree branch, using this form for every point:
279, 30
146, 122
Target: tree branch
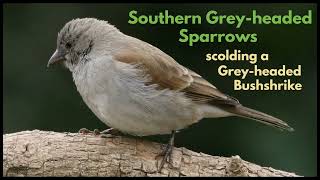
43, 153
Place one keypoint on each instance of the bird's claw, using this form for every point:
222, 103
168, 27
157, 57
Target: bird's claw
104, 134
87, 131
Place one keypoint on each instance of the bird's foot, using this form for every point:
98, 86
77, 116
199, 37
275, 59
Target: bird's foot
87, 131
105, 133
167, 152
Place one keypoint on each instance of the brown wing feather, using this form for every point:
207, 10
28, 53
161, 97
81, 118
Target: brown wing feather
167, 73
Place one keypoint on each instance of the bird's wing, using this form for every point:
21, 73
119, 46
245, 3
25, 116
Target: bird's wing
167, 73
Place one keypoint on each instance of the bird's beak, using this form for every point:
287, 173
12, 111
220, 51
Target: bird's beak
56, 57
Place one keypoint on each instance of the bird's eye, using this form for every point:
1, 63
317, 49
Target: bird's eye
68, 45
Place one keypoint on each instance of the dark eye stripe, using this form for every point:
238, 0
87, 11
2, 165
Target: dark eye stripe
68, 45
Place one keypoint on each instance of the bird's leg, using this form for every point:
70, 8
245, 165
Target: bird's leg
105, 133
167, 151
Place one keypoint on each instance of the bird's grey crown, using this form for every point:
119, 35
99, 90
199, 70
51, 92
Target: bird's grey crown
76, 28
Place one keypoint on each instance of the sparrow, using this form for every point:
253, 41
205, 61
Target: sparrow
137, 89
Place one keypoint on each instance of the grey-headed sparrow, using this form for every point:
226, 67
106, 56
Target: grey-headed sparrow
138, 89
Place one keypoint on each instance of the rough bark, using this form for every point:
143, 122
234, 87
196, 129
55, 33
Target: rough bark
43, 153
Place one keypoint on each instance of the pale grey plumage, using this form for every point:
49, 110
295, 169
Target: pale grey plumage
136, 88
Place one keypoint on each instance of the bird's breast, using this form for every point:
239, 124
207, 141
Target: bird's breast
118, 96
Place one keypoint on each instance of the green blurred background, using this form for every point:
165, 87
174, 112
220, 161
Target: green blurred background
39, 98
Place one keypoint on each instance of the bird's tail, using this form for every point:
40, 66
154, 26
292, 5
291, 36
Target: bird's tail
260, 117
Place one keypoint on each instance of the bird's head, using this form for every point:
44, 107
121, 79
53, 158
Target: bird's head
77, 39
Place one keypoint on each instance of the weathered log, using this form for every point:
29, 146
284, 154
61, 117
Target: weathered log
43, 153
